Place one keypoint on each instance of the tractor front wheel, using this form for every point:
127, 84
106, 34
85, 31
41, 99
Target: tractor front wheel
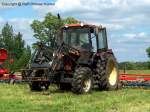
83, 81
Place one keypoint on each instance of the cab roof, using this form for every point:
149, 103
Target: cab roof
80, 25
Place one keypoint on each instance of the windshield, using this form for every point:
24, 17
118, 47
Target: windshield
77, 38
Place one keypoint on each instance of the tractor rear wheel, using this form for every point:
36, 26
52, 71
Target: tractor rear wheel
83, 81
109, 74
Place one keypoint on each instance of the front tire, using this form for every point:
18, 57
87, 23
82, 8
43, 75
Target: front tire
83, 81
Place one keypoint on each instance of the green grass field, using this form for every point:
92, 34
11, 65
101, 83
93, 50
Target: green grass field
18, 98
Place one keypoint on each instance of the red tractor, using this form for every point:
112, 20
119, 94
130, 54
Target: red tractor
81, 61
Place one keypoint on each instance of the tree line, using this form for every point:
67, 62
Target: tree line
134, 65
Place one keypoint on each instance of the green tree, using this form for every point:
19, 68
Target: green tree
47, 29
24, 58
19, 45
7, 37
70, 20
15, 46
148, 52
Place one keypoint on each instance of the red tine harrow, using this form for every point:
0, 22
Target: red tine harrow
135, 80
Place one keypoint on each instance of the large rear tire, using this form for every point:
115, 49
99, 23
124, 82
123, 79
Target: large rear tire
82, 81
109, 74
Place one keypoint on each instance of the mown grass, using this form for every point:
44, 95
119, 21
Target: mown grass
18, 98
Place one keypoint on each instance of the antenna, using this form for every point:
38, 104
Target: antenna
58, 15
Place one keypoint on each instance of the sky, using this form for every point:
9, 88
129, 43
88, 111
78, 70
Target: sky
127, 21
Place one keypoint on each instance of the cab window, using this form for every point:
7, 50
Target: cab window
94, 44
102, 42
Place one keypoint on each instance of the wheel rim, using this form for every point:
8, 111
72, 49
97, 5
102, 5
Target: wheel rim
87, 85
112, 73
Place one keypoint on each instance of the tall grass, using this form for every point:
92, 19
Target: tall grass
18, 98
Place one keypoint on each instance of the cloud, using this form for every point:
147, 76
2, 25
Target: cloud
116, 14
141, 37
131, 46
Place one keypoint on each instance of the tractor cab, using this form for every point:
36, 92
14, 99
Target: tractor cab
85, 37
